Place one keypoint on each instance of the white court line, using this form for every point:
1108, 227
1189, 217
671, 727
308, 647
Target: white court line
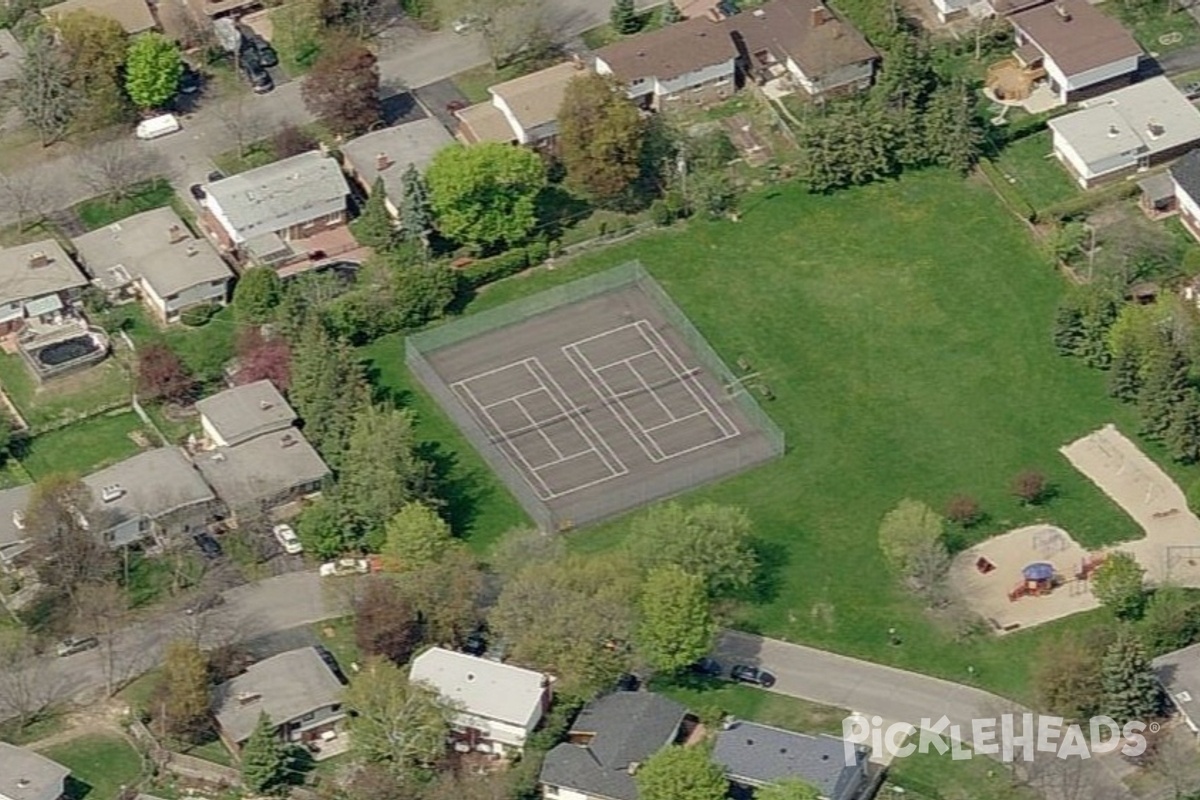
510, 399
600, 386
690, 381
702, 412
625, 360
541, 431
650, 391
530, 474
608, 460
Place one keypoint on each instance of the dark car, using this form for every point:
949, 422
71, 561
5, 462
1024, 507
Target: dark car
196, 191
628, 682
215, 175
267, 56
475, 644
209, 546
189, 81
752, 675
332, 663
260, 79
708, 667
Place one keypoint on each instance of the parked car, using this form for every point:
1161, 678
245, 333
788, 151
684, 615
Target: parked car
208, 545
475, 644
267, 57
204, 603
197, 192
76, 644
345, 566
189, 81
628, 682
754, 676
287, 539
215, 175
332, 663
707, 666
455, 105
155, 127
252, 67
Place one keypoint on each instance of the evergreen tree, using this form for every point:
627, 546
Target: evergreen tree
1164, 382
416, 216
256, 295
908, 78
623, 17
671, 13
1068, 325
1131, 691
952, 136
328, 389
1100, 309
374, 227
1183, 433
1124, 379
264, 758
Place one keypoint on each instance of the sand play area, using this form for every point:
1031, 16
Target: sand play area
994, 577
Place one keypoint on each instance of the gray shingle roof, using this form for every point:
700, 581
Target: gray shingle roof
280, 195
13, 540
483, 688
1186, 174
156, 246
754, 755
243, 412
26, 775
20, 281
1179, 674
625, 728
285, 686
10, 64
155, 483
262, 468
413, 143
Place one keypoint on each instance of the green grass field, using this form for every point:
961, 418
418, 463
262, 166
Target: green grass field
101, 766
83, 447
1034, 173
904, 329
938, 776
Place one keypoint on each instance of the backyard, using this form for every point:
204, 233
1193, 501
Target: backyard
1160, 27
904, 331
101, 765
1030, 168
68, 397
85, 447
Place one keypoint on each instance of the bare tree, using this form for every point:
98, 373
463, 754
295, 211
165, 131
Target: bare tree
114, 168
103, 608
244, 124
46, 97
1177, 762
64, 525
26, 688
511, 28
926, 572
23, 195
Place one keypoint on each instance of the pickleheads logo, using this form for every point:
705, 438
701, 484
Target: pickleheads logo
1008, 736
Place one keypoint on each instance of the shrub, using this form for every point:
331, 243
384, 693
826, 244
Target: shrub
488, 270
963, 510
536, 252
662, 214
1030, 487
199, 315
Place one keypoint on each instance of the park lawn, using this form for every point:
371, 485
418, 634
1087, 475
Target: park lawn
73, 395
904, 329
1035, 173
101, 765
705, 696
83, 447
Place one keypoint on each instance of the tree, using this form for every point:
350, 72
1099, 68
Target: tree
1171, 621
385, 622
115, 168
1067, 673
521, 547
676, 626
375, 227
415, 537
1083, 322
45, 95
416, 216
153, 68
264, 758
671, 13
710, 541
906, 530
162, 376
292, 140
261, 357
952, 134
1118, 583
1173, 759
572, 617
1182, 436
964, 510
1131, 690
26, 688
256, 295
101, 609
23, 195
623, 17
1030, 487
63, 523
95, 49
788, 789
485, 195
393, 293
328, 389
398, 725
1164, 381
681, 773
184, 701
600, 137
448, 596
244, 123
342, 89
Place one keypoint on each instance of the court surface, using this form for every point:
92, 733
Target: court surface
597, 407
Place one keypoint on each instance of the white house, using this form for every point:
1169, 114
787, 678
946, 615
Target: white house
523, 110
499, 705
1125, 131
1185, 183
242, 413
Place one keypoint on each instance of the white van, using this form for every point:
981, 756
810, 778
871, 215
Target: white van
158, 126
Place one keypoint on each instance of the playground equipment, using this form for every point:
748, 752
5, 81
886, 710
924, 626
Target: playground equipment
1089, 565
1037, 580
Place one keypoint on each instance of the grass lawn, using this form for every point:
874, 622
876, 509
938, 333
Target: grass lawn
68, 397
151, 579
337, 635
50, 723
703, 696
83, 447
256, 154
602, 35
904, 329
101, 765
934, 776
1034, 173
1154, 28
101, 211
204, 350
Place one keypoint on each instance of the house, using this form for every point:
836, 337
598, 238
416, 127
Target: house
1185, 184
238, 415
611, 737
523, 110
499, 705
12, 55
14, 541
689, 62
1179, 674
134, 16
288, 213
155, 257
1082, 51
156, 494
388, 153
38, 281
263, 473
297, 690
756, 755
26, 775
821, 52
1125, 131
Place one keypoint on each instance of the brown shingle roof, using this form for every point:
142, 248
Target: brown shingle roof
669, 52
535, 99
815, 38
1076, 36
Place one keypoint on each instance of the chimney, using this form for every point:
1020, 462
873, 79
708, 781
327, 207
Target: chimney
287, 441
265, 405
1113, 131
38, 259
176, 234
246, 698
819, 16
1154, 129
382, 162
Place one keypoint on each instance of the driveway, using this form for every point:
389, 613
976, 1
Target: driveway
440, 98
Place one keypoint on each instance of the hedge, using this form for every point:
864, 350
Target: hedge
1093, 198
510, 262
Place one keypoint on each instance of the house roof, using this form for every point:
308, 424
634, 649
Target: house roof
14, 54
1179, 674
1157, 187
669, 52
620, 729
279, 195
156, 246
1149, 117
755, 754
133, 15
1185, 173
262, 468
535, 99
413, 143
13, 540
812, 36
246, 411
152, 484
21, 281
483, 122
285, 686
481, 687
26, 775
1075, 35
